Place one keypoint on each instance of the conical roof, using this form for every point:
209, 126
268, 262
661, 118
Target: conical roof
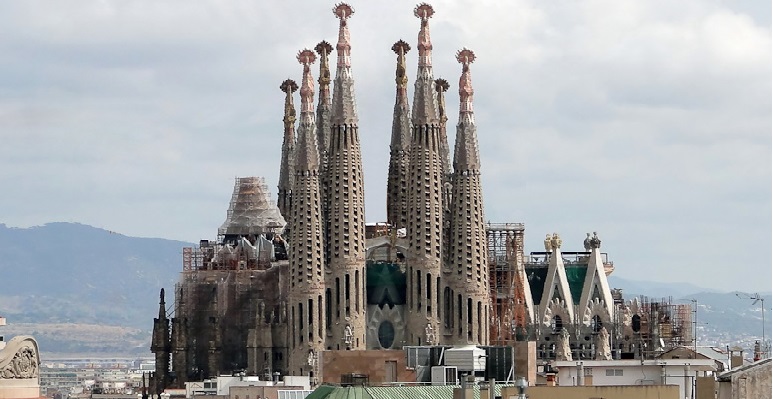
251, 210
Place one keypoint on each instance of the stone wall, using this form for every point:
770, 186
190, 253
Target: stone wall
608, 392
376, 364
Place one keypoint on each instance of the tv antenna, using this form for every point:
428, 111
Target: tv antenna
757, 298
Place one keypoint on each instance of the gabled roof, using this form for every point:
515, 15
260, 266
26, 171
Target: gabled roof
727, 376
704, 352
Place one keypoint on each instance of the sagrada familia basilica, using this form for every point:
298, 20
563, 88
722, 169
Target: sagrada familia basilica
291, 278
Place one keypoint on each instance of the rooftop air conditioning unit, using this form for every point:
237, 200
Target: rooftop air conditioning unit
444, 375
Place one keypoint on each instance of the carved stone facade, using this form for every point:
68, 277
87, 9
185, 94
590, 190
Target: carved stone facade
399, 147
24, 363
286, 177
468, 255
20, 369
307, 258
425, 195
345, 227
253, 302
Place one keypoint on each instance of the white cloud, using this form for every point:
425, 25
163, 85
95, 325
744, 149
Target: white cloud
647, 121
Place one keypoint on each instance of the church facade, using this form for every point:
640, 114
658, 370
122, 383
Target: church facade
290, 278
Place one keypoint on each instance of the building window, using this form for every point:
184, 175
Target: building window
346, 295
319, 315
418, 290
614, 372
328, 310
338, 298
596, 323
447, 304
557, 324
386, 334
437, 296
356, 290
429, 294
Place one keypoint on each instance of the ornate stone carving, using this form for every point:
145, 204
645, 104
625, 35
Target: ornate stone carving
556, 241
563, 352
595, 241
595, 307
603, 351
429, 335
348, 335
548, 243
556, 307
24, 363
552, 242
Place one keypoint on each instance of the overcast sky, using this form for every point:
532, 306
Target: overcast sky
647, 121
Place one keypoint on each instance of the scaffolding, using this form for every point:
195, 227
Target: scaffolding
505, 259
230, 301
664, 325
251, 211
219, 312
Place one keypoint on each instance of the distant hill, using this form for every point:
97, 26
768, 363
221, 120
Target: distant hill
74, 273
654, 289
723, 318
61, 279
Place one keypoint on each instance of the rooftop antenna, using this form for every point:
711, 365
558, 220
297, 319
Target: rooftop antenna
758, 298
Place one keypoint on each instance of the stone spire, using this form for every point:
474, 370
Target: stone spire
288, 148
324, 105
399, 148
161, 346
307, 285
345, 231
161, 306
424, 230
468, 230
441, 86
466, 154
424, 102
307, 156
344, 106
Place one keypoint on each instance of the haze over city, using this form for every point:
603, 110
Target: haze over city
648, 122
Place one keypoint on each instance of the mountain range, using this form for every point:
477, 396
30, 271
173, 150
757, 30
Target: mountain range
78, 288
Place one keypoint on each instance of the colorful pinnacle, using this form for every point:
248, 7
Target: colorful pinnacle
343, 11
424, 12
307, 57
324, 49
289, 87
465, 57
401, 48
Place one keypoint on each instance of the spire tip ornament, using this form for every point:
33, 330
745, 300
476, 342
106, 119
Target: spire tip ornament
289, 85
323, 47
465, 56
306, 57
401, 47
423, 11
441, 85
343, 11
